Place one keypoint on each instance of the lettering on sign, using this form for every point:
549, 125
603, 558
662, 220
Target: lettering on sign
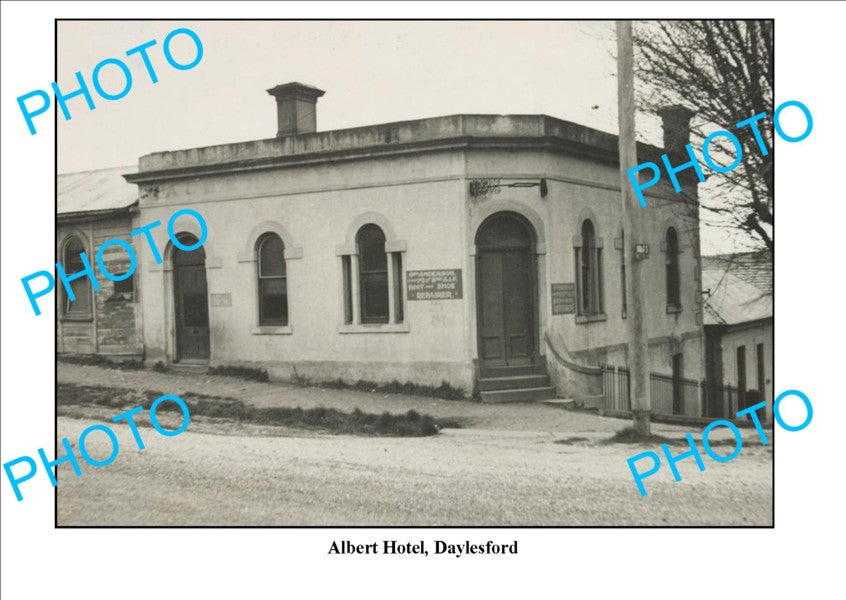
437, 284
563, 298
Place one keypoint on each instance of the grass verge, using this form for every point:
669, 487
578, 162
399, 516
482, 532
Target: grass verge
409, 424
630, 436
444, 391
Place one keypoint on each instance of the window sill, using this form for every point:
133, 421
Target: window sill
272, 330
672, 309
77, 318
590, 318
374, 328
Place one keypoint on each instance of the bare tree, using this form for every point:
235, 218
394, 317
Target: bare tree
723, 70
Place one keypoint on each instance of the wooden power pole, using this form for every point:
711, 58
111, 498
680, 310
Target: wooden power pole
638, 343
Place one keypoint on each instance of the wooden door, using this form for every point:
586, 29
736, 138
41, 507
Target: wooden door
191, 302
505, 292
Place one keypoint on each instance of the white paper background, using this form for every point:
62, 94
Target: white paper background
802, 556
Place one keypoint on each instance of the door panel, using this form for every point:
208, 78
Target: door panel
192, 312
491, 309
517, 306
506, 309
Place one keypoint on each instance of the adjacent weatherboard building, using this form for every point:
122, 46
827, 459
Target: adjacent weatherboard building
480, 250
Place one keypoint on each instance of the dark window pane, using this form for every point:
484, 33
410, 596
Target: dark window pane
398, 286
588, 235
273, 301
374, 297
371, 248
672, 262
504, 232
597, 273
348, 311
72, 263
82, 291
271, 257
590, 277
188, 257
124, 286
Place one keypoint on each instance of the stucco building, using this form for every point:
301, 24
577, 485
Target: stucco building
480, 250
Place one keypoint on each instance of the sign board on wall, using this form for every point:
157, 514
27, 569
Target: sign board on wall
437, 284
563, 298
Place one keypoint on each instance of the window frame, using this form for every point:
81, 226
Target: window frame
588, 256
672, 270
365, 275
262, 321
66, 308
355, 319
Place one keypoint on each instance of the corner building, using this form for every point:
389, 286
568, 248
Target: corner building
480, 250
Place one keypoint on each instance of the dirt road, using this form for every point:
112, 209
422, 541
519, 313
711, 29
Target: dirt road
503, 468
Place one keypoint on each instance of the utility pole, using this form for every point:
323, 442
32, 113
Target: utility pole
638, 343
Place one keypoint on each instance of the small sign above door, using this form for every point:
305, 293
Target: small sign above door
438, 284
563, 298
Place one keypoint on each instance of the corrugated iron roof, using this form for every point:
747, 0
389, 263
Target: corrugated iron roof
103, 189
741, 288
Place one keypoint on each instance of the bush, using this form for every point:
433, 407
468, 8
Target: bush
444, 391
247, 373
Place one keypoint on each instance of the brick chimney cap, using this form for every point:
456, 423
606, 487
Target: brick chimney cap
296, 88
675, 110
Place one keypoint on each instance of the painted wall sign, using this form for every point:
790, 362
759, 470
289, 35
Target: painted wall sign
438, 284
563, 298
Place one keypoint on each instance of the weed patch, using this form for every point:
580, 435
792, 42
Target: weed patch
97, 360
444, 391
409, 424
247, 373
630, 436
572, 441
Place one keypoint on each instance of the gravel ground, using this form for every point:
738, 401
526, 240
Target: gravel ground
502, 468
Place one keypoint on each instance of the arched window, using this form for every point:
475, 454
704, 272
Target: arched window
671, 252
272, 281
373, 274
80, 307
589, 266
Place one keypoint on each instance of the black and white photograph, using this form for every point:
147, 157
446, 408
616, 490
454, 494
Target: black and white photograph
409, 299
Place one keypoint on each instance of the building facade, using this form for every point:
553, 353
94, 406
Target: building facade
94, 207
480, 250
739, 331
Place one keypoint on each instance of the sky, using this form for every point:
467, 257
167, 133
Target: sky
372, 72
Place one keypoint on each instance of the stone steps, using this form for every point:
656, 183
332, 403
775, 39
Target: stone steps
526, 383
519, 395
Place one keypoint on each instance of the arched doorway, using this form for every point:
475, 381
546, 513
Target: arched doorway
505, 290
191, 301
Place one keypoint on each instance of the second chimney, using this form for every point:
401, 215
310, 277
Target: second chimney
675, 121
296, 108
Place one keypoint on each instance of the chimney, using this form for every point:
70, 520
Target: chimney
675, 121
296, 108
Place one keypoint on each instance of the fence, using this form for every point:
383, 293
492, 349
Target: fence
671, 396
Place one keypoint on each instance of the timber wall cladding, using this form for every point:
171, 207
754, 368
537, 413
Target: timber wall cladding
116, 330
113, 328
